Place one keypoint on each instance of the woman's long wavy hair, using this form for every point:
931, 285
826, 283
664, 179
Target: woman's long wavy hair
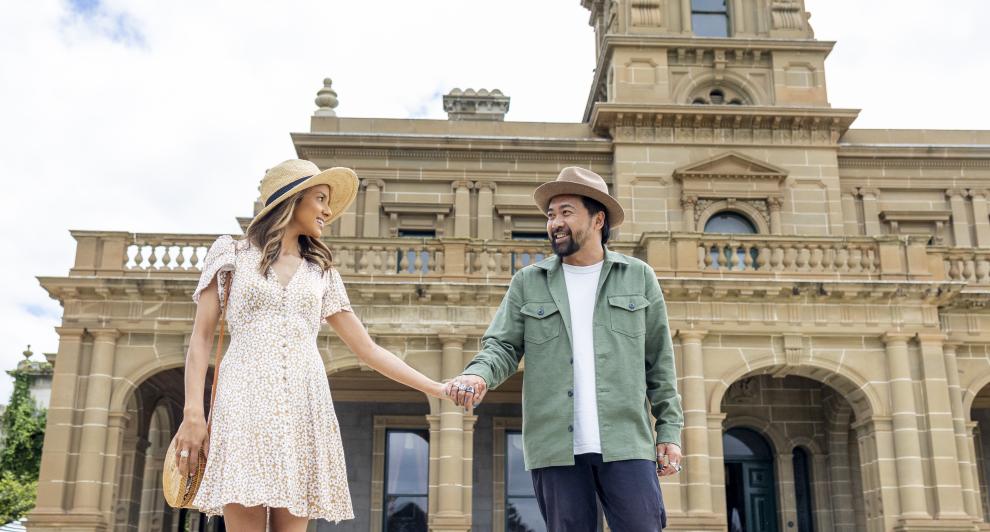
266, 234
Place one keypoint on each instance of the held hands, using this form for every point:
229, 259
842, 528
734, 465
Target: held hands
668, 459
191, 436
466, 390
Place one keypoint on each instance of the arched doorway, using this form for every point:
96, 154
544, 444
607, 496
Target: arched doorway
980, 414
750, 493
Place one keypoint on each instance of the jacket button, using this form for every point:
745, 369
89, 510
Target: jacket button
570, 393
632, 306
540, 311
570, 428
572, 361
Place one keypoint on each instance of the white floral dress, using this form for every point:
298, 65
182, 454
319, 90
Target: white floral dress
275, 440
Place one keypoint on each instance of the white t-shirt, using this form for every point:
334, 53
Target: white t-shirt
582, 287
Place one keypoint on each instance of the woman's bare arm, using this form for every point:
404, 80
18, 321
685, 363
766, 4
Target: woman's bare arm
192, 432
350, 329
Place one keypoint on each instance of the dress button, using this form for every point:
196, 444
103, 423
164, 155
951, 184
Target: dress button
285, 345
570, 428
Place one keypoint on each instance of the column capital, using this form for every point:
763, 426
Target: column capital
689, 200
869, 191
775, 203
896, 337
452, 338
365, 183
486, 185
691, 334
105, 335
70, 333
979, 193
463, 183
954, 192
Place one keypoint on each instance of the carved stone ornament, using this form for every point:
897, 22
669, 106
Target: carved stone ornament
742, 391
786, 15
647, 13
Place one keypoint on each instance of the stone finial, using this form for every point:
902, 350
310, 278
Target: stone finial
476, 105
326, 99
28, 353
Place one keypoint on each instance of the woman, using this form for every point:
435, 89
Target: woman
275, 442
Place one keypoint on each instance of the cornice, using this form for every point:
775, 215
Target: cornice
721, 124
449, 147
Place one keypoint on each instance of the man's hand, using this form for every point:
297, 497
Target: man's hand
668, 459
466, 390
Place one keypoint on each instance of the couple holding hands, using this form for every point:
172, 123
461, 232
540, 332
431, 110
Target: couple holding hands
591, 322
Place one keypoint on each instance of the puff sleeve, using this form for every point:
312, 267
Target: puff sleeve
334, 295
219, 258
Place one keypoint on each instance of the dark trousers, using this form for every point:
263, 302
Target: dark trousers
628, 490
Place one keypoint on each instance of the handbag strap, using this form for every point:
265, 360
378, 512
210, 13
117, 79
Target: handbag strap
219, 355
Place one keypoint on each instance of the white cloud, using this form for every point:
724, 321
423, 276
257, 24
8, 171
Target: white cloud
161, 116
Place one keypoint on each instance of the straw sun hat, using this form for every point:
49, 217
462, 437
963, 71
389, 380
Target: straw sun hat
289, 177
577, 181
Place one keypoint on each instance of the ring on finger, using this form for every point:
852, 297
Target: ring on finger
184, 453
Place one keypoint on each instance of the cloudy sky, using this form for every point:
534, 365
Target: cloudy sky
161, 116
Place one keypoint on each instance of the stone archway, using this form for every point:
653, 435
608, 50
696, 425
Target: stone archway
795, 413
979, 412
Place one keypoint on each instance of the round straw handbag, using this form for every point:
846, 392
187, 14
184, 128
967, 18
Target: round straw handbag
179, 489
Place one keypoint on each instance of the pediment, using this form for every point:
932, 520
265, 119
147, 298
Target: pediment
731, 165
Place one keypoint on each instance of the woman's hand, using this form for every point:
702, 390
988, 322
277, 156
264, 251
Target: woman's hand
191, 437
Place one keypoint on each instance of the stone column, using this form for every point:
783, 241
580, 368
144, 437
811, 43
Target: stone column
871, 210
372, 206
686, 17
688, 204
966, 459
696, 451
775, 204
941, 434
880, 502
127, 511
462, 209
92, 443
849, 213
486, 209
451, 515
907, 447
348, 221
960, 229
981, 217
55, 475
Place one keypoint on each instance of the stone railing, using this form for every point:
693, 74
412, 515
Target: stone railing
121, 254
969, 265
111, 254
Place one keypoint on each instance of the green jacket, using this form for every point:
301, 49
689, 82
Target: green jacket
634, 361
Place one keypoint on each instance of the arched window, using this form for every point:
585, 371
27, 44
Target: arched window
734, 223
730, 222
710, 18
802, 490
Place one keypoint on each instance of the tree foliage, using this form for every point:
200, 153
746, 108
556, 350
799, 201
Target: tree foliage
20, 450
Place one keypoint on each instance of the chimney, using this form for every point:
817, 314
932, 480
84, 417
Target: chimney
480, 105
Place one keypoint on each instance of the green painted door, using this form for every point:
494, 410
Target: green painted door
760, 497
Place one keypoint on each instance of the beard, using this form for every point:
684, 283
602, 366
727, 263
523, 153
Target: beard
566, 249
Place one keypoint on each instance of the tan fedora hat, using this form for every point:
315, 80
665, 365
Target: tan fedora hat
580, 182
288, 177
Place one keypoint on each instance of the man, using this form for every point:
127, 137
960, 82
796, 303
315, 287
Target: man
593, 326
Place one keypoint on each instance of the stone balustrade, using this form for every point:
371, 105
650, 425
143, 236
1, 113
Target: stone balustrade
768, 257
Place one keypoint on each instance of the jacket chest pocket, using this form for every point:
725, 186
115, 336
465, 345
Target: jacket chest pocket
628, 314
542, 322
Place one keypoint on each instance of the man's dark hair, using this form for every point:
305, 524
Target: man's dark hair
594, 207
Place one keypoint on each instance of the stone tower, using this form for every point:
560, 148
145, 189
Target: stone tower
699, 96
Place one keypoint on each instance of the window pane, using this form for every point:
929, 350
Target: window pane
523, 515
709, 5
729, 222
705, 25
517, 479
408, 455
405, 514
